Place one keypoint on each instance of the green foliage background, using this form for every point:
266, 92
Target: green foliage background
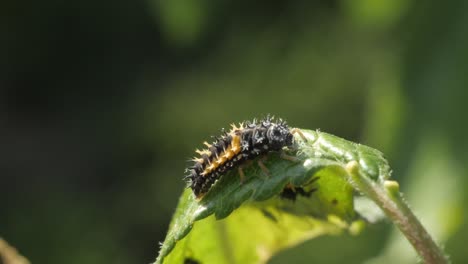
102, 102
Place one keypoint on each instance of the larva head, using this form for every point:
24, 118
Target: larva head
279, 136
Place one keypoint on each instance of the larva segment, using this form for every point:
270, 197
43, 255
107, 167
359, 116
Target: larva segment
220, 158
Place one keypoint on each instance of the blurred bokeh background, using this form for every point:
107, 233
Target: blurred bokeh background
102, 102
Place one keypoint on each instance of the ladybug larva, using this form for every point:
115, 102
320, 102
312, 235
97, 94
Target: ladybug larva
242, 143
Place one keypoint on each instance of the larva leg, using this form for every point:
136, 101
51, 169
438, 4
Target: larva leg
263, 167
241, 174
288, 157
298, 131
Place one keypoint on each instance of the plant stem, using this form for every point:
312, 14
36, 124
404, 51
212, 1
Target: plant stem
387, 196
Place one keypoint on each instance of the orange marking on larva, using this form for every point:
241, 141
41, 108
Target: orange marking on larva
211, 167
226, 155
235, 149
221, 160
235, 144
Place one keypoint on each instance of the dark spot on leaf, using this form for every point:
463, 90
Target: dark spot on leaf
334, 201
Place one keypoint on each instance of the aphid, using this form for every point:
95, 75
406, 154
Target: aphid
291, 193
191, 261
242, 143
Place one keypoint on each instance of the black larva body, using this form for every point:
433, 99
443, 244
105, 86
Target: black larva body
246, 142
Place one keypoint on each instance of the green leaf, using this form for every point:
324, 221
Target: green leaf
256, 222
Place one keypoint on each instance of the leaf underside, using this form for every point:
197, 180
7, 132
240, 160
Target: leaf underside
249, 222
